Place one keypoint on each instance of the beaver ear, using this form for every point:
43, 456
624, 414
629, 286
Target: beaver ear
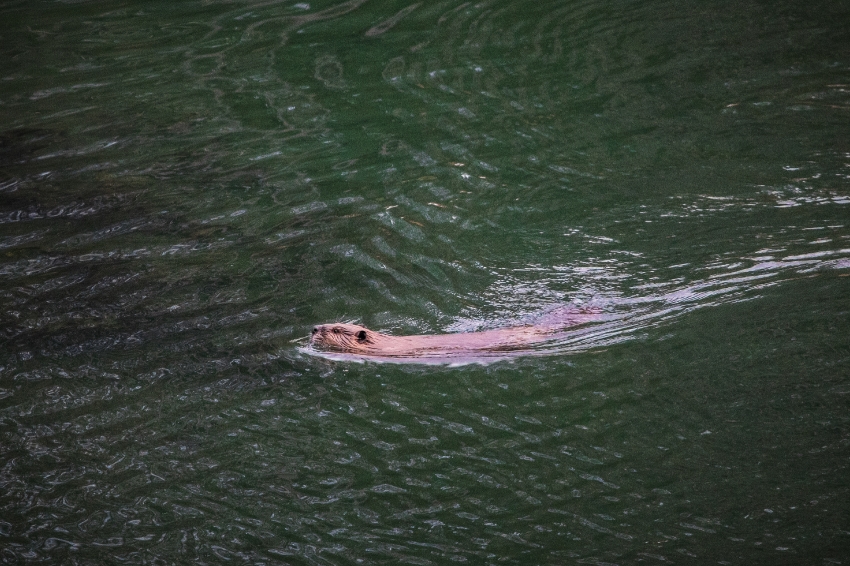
361, 336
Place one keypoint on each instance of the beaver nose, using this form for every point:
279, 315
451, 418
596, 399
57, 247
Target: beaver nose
315, 330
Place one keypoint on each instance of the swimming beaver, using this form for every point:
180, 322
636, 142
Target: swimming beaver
359, 340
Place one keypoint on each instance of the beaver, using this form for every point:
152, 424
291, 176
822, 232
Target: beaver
516, 340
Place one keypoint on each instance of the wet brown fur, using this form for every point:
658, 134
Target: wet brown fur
356, 339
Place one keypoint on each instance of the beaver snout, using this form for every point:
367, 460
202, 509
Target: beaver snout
340, 336
317, 335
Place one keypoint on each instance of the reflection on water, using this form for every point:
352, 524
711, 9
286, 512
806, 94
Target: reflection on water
186, 188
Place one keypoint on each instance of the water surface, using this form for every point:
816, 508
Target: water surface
187, 188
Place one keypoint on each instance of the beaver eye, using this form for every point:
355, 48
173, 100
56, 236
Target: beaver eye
361, 335
336, 330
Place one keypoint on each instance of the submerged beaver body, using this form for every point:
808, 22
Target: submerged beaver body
361, 341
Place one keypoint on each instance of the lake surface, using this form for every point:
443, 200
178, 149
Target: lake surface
186, 188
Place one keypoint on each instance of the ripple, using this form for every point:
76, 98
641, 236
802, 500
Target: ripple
206, 181
391, 22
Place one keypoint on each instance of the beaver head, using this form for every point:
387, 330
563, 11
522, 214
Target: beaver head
342, 337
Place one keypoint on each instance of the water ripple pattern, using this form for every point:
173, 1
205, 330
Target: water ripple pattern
187, 188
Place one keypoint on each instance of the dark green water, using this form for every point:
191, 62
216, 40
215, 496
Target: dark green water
187, 187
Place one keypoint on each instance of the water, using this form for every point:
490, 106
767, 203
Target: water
186, 188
